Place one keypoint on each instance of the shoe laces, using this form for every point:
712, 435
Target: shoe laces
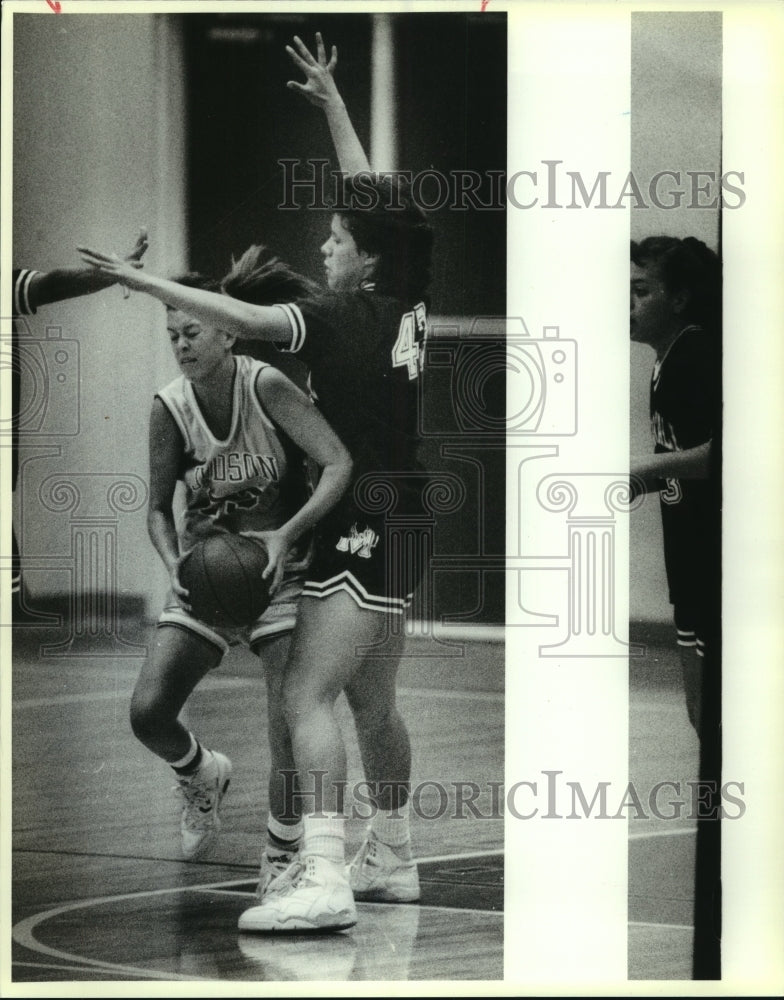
274, 864
366, 854
199, 794
299, 874
287, 880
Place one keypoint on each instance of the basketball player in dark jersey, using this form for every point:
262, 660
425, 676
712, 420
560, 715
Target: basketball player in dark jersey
675, 297
676, 308
363, 342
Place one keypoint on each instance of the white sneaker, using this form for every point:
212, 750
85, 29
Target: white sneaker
378, 875
313, 894
273, 864
203, 791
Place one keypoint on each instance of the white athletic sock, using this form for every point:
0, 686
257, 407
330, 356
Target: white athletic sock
325, 835
283, 836
190, 756
392, 828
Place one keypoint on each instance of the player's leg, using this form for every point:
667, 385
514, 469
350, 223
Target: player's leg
326, 653
180, 659
322, 660
383, 869
381, 732
691, 659
692, 662
270, 639
284, 822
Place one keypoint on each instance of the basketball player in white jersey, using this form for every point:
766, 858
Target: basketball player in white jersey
235, 432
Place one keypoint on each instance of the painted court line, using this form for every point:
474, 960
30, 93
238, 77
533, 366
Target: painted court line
361, 905
23, 933
653, 834
668, 927
229, 683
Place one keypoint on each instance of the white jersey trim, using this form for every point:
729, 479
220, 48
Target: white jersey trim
297, 324
657, 367
22, 304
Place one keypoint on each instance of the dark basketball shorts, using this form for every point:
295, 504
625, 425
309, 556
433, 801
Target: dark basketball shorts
376, 562
278, 619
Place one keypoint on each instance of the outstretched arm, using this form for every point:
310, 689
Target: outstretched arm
247, 321
320, 89
691, 463
70, 282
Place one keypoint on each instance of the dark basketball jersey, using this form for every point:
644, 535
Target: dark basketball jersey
364, 352
684, 406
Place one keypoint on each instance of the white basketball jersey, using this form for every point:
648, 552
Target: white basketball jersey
240, 483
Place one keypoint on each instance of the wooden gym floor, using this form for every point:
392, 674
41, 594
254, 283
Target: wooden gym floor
99, 892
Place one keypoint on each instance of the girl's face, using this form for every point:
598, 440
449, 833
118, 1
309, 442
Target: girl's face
654, 312
345, 265
198, 349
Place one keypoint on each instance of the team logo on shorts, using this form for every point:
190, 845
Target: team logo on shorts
358, 543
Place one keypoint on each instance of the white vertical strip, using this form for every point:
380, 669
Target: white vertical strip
753, 579
6, 509
567, 716
383, 131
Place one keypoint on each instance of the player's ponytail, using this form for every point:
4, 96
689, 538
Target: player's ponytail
263, 279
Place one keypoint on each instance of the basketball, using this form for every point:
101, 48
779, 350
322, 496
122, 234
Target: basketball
223, 576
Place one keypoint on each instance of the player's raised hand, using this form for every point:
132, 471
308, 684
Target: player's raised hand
319, 87
139, 249
124, 271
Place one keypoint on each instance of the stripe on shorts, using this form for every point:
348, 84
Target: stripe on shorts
271, 631
190, 624
348, 582
686, 638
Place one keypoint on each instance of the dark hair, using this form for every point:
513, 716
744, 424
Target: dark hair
384, 220
195, 279
685, 265
261, 278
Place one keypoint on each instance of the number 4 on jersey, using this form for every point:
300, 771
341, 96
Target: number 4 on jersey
409, 346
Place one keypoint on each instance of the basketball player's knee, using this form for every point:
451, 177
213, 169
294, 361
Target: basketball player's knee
300, 698
145, 715
373, 716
